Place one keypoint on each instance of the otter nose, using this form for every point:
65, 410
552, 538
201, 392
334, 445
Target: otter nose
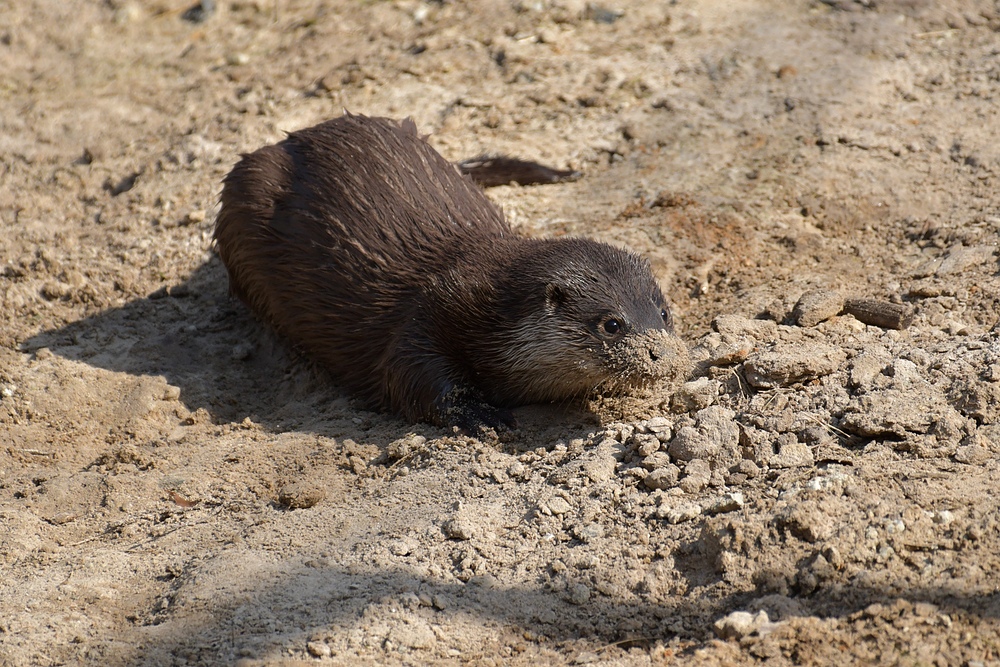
655, 353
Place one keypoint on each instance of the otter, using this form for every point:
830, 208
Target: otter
375, 257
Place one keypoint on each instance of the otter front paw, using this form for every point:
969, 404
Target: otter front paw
465, 409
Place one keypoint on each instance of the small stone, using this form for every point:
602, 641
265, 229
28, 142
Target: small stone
195, 217
558, 505
318, 649
403, 447
972, 454
739, 624
589, 532
683, 513
943, 517
730, 502
689, 444
791, 453
645, 443
656, 460
695, 395
238, 58
579, 594
300, 495
662, 478
730, 352
697, 474
748, 468
459, 529
816, 306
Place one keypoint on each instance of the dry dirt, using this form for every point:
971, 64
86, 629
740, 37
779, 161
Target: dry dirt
177, 487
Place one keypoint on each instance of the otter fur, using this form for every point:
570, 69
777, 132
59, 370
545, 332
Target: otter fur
374, 256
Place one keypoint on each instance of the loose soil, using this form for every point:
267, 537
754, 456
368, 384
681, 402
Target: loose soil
178, 487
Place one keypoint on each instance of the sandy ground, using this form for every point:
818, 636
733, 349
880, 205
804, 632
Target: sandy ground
177, 487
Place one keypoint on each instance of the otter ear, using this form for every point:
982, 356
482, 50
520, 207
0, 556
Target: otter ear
554, 295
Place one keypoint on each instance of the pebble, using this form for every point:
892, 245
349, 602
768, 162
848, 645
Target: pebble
943, 517
589, 532
662, 478
730, 352
716, 438
403, 447
815, 306
558, 505
748, 468
241, 351
579, 594
300, 495
739, 624
318, 649
656, 460
683, 513
645, 443
697, 474
695, 395
791, 453
459, 528
729, 502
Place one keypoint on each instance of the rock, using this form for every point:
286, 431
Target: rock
656, 460
730, 502
663, 478
578, 594
682, 513
558, 505
645, 443
791, 453
695, 395
715, 438
739, 624
300, 495
318, 649
816, 306
867, 366
730, 352
697, 474
459, 528
807, 520
788, 365
690, 444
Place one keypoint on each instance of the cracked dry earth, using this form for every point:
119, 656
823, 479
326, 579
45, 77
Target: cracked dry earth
177, 487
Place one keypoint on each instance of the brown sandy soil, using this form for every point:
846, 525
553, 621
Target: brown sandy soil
177, 487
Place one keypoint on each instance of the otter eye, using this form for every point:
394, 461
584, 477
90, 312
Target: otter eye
612, 326
664, 314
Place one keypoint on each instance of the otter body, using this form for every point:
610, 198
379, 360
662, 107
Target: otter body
373, 255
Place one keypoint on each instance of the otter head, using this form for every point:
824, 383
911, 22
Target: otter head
594, 317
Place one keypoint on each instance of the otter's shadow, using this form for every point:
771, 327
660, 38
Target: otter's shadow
208, 345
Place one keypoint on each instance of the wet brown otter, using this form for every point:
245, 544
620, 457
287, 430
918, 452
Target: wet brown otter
372, 254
